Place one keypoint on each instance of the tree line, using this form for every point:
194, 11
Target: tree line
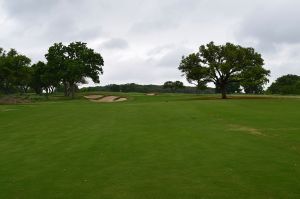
231, 68
132, 87
65, 66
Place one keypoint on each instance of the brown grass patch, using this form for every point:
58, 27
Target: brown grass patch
249, 130
13, 100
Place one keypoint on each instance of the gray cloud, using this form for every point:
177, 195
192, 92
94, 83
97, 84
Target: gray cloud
145, 27
159, 32
29, 9
171, 57
274, 31
160, 49
115, 43
275, 24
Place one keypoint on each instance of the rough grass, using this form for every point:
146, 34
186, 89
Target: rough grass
165, 146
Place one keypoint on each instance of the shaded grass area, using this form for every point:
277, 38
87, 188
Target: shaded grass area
166, 146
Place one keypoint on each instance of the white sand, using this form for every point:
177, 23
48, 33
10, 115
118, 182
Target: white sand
93, 96
100, 98
151, 94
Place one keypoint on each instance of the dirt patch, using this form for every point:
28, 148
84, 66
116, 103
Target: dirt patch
249, 130
94, 97
100, 98
13, 100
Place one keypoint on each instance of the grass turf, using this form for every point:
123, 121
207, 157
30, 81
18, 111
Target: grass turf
166, 146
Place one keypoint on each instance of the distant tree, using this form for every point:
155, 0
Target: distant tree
178, 85
168, 85
222, 65
114, 88
14, 71
132, 87
128, 87
287, 84
73, 63
173, 86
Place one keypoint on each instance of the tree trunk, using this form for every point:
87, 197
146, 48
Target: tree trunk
47, 92
26, 89
223, 91
66, 88
73, 90
6, 89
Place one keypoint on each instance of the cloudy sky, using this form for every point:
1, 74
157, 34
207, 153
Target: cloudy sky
142, 41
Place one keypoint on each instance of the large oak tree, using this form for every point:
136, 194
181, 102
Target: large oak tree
74, 63
223, 64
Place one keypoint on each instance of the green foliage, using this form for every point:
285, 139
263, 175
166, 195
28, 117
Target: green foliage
44, 78
193, 70
224, 64
74, 63
15, 73
287, 84
254, 79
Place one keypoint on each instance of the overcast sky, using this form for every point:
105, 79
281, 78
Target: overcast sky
142, 41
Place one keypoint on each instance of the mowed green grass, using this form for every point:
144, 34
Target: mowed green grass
167, 146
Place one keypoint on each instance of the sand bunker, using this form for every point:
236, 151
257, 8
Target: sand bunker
121, 99
93, 97
101, 98
151, 94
